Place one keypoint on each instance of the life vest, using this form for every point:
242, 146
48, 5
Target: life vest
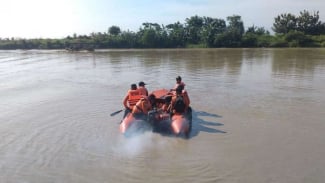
134, 97
142, 106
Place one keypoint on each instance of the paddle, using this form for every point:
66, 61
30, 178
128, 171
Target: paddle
116, 112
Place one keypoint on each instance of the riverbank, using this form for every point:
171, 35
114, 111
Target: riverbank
294, 39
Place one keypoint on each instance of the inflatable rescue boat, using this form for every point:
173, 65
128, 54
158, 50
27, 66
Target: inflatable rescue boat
159, 119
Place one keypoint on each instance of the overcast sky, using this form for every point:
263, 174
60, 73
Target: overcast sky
60, 18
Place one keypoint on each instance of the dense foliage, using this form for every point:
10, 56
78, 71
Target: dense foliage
305, 30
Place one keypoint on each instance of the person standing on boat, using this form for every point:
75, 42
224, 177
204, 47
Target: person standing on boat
179, 82
131, 98
143, 90
143, 106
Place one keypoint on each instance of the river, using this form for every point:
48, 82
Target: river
258, 116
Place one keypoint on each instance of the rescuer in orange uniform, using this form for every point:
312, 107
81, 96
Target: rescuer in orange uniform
143, 90
180, 101
143, 106
131, 98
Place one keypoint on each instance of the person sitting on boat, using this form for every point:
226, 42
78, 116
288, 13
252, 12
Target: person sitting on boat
143, 90
166, 106
143, 106
180, 101
132, 97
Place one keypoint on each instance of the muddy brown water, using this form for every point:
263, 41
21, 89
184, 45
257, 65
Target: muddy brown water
259, 116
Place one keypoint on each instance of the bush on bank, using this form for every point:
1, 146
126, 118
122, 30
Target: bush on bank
305, 30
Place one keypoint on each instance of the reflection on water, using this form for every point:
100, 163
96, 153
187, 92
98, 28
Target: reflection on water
297, 62
258, 116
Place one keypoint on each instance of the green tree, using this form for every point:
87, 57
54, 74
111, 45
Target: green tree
309, 24
236, 24
149, 38
150, 35
233, 34
297, 38
255, 37
176, 34
284, 23
128, 39
257, 30
249, 40
114, 30
211, 28
193, 28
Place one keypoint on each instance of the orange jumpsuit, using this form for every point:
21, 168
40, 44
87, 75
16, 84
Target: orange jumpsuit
131, 98
142, 106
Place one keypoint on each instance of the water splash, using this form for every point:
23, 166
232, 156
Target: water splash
135, 145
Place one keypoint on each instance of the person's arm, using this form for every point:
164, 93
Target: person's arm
145, 106
171, 106
125, 100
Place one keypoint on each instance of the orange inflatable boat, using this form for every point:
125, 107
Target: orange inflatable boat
159, 119
127, 122
131, 124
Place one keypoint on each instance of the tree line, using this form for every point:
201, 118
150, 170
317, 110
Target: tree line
303, 30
